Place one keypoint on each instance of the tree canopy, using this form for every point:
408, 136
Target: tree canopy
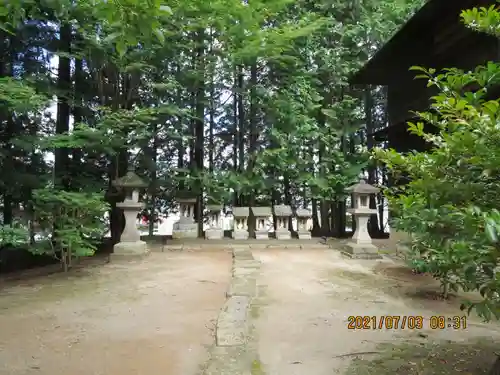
242, 103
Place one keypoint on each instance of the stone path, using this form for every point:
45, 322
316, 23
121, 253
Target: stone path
299, 315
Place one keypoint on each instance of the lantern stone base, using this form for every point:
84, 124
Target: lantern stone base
214, 234
239, 234
184, 233
130, 249
306, 235
361, 251
262, 235
185, 230
283, 235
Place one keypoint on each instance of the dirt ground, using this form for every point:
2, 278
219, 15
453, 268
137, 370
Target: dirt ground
149, 317
156, 317
306, 297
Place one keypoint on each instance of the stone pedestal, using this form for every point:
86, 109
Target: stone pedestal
283, 235
262, 235
130, 240
355, 251
360, 246
306, 235
214, 234
185, 228
240, 234
123, 249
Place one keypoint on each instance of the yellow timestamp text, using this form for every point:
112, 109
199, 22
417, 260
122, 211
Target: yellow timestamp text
359, 322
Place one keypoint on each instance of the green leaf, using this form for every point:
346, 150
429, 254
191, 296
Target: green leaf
165, 9
491, 233
121, 48
112, 37
159, 34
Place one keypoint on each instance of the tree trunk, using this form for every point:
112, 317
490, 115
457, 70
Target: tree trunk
316, 229
252, 142
288, 197
200, 125
373, 225
61, 157
235, 133
241, 127
153, 186
77, 153
181, 149
6, 70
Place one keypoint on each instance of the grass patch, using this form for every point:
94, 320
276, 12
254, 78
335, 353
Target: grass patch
254, 311
439, 358
350, 275
257, 368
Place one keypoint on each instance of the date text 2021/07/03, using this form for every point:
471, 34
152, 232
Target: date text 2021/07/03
373, 322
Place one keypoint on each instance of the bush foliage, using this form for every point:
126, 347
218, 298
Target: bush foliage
450, 206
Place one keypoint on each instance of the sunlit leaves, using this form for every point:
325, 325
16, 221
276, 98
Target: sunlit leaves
483, 19
78, 217
19, 96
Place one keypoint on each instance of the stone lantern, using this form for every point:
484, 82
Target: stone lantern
303, 215
215, 232
360, 245
130, 240
186, 227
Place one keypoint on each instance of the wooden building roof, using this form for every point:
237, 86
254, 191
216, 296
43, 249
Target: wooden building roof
413, 43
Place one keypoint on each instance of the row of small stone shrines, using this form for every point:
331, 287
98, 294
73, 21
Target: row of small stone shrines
187, 228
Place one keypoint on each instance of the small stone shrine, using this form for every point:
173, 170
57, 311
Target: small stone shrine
215, 232
130, 240
261, 215
186, 227
303, 215
240, 224
282, 214
360, 245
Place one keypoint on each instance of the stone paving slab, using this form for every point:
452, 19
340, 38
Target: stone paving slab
244, 271
230, 244
231, 354
242, 255
242, 286
232, 322
229, 360
242, 263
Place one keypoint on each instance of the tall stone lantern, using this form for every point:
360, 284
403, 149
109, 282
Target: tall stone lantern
130, 240
360, 245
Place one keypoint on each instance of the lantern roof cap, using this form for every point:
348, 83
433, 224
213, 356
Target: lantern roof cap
130, 180
363, 188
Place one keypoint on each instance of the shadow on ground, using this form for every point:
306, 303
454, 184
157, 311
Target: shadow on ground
439, 358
